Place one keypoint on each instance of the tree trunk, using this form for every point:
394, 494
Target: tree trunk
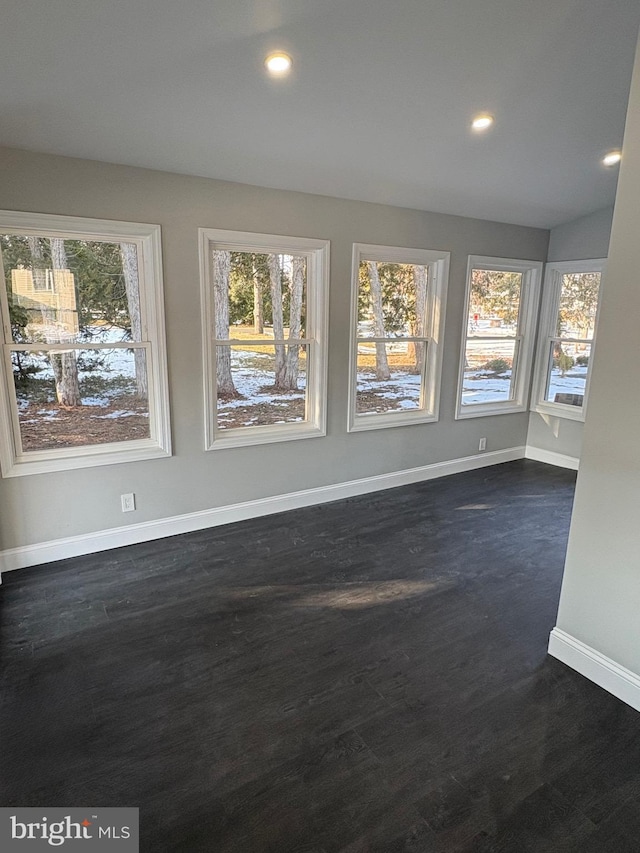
275, 278
129, 254
420, 274
258, 308
38, 268
64, 364
221, 269
295, 317
382, 363
38, 271
37, 259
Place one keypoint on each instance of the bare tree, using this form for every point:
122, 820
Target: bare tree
129, 254
420, 277
64, 364
275, 278
221, 270
258, 308
295, 323
375, 289
37, 257
39, 272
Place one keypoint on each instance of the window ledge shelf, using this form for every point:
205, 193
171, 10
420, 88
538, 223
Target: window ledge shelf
483, 411
250, 436
557, 410
362, 423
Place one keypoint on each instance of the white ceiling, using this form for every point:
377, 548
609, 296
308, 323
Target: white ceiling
377, 107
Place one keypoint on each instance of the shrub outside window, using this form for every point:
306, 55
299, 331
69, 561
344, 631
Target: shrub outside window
498, 336
567, 337
265, 305
397, 325
83, 337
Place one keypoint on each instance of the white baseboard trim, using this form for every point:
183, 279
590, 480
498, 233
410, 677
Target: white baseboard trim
102, 540
616, 679
551, 457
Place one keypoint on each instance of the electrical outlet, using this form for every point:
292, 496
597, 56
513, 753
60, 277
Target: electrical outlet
128, 502
483, 444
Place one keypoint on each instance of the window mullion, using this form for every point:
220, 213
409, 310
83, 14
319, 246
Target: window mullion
75, 345
409, 339
254, 342
494, 338
571, 340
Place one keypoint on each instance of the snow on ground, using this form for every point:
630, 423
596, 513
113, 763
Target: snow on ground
249, 382
574, 382
124, 413
118, 362
479, 387
249, 379
402, 387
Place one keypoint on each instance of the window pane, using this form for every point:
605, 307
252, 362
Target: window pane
63, 291
389, 377
392, 300
494, 303
260, 385
259, 295
488, 372
79, 397
567, 376
578, 305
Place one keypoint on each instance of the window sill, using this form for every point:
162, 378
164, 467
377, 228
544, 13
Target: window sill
557, 410
44, 462
249, 436
483, 410
362, 423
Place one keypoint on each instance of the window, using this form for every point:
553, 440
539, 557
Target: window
498, 336
84, 367
398, 300
264, 331
567, 337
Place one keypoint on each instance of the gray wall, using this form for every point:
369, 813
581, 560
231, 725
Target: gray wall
555, 435
40, 508
587, 237
600, 601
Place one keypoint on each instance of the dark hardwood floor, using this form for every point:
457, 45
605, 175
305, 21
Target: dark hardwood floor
367, 675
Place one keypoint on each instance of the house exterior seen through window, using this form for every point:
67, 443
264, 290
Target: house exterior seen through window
83, 368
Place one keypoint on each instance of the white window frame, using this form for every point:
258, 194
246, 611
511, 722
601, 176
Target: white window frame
438, 278
316, 253
13, 460
547, 334
524, 338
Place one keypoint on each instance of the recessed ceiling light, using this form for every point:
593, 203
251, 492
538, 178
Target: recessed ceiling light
482, 121
278, 64
612, 158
